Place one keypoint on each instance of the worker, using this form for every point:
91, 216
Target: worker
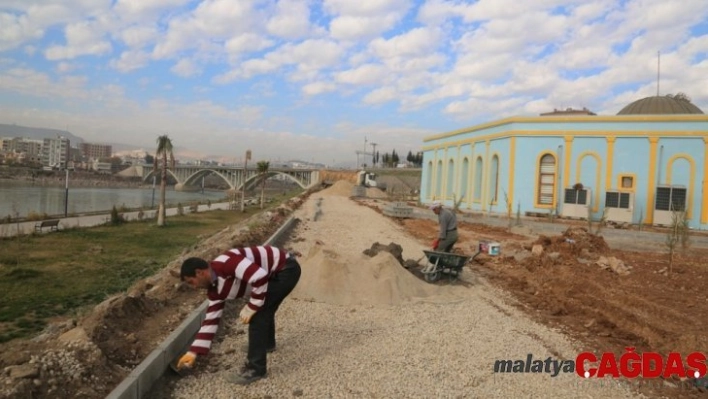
269, 273
447, 237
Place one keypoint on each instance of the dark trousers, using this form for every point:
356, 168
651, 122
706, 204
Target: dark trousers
261, 329
450, 240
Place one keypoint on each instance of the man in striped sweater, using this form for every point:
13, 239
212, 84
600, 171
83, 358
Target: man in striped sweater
267, 274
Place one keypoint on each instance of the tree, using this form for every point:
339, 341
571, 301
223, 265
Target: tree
164, 149
263, 171
149, 159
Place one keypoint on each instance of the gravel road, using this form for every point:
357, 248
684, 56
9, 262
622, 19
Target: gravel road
443, 344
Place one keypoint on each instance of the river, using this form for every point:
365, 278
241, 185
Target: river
22, 198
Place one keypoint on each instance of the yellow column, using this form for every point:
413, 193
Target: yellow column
651, 184
704, 204
512, 162
566, 161
610, 158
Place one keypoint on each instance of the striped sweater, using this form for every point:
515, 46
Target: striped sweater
236, 273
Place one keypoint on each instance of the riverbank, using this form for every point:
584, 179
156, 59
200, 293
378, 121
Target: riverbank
57, 178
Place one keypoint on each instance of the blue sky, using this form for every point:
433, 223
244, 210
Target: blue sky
311, 79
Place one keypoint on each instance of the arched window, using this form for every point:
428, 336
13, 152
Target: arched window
450, 178
546, 180
438, 180
494, 180
478, 179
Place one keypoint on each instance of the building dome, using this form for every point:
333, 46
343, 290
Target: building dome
660, 105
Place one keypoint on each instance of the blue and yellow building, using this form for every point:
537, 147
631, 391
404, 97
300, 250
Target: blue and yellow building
642, 165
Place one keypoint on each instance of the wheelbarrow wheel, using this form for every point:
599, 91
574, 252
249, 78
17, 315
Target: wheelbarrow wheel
432, 277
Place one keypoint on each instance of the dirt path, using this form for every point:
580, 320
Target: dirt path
386, 333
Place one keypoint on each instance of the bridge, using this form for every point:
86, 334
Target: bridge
189, 177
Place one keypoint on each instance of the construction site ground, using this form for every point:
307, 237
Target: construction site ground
646, 306
566, 285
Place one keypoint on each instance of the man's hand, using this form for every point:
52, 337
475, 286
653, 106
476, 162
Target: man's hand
187, 360
436, 243
246, 314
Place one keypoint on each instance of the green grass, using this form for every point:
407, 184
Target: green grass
48, 275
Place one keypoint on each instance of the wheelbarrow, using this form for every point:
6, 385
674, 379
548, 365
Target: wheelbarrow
440, 263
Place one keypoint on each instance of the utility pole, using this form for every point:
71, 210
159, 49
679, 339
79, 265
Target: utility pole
374, 152
245, 176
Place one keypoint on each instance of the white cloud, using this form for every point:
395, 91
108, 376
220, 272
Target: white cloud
185, 68
416, 41
363, 74
364, 19
291, 19
130, 60
318, 88
82, 38
138, 36
247, 42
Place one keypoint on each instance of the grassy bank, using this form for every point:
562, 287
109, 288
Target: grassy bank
49, 275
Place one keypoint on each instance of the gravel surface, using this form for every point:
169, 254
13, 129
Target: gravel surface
442, 343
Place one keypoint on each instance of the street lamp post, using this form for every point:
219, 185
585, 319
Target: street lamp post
245, 176
66, 195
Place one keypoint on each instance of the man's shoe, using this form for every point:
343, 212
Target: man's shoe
244, 377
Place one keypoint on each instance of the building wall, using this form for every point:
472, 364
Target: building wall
594, 151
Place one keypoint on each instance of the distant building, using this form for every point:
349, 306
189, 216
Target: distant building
55, 152
569, 111
96, 151
22, 149
639, 166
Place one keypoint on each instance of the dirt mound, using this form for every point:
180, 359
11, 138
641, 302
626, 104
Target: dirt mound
574, 241
373, 192
330, 278
341, 188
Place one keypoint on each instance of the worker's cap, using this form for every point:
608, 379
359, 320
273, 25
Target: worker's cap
435, 205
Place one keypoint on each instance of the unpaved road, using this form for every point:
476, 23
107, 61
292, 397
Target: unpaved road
441, 344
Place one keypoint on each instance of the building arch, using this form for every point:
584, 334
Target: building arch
691, 177
478, 169
450, 180
546, 180
494, 179
598, 176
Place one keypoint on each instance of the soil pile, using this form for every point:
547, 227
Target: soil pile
331, 278
373, 192
574, 241
341, 188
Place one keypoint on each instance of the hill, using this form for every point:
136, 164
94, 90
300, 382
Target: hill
36, 133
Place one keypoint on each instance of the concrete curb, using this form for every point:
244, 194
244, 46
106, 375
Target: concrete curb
143, 377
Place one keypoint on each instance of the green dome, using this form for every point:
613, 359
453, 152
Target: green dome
660, 105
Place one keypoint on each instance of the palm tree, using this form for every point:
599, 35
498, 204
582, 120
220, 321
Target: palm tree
263, 171
164, 149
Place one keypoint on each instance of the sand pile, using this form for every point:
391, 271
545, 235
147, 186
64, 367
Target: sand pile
341, 188
373, 192
380, 280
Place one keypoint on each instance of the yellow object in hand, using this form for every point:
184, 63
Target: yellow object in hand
187, 360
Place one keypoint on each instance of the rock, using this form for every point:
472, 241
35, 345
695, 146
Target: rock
24, 371
537, 250
554, 255
520, 256
74, 335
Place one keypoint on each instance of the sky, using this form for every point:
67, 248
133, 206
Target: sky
320, 80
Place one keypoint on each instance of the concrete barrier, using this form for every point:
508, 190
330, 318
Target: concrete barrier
139, 382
